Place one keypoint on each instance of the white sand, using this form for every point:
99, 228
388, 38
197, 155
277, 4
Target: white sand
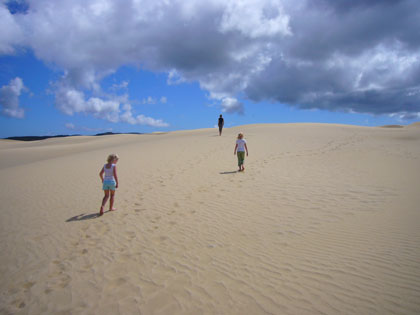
325, 220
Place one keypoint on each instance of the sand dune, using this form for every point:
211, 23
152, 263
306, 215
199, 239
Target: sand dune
325, 220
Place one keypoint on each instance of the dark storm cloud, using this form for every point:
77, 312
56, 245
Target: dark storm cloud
361, 57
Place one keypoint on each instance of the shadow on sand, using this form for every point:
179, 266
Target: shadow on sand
231, 172
82, 217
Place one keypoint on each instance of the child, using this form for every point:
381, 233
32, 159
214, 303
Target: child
241, 147
110, 182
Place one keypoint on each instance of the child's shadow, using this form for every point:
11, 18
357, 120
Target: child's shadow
231, 172
83, 216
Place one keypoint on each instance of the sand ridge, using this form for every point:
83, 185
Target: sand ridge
324, 220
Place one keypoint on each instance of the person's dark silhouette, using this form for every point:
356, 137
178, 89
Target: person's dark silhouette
221, 124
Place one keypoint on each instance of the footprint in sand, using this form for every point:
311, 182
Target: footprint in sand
155, 220
118, 281
131, 234
18, 303
48, 290
65, 281
27, 285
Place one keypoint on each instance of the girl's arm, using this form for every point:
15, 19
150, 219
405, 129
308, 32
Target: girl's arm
101, 174
246, 148
234, 151
116, 176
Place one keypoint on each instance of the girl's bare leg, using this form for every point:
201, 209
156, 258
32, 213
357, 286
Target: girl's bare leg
111, 201
104, 200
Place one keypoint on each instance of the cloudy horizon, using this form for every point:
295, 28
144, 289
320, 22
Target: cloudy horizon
337, 56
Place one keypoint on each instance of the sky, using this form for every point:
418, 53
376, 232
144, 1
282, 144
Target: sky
92, 66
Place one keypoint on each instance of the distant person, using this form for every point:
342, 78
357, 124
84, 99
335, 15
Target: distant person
109, 182
241, 147
220, 124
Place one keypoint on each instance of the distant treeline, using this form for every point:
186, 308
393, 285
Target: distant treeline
36, 138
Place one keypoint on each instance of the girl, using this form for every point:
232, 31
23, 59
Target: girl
240, 147
110, 182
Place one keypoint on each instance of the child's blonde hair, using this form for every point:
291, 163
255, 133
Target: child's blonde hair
240, 135
112, 157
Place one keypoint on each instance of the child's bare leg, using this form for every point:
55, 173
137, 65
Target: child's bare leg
111, 201
104, 200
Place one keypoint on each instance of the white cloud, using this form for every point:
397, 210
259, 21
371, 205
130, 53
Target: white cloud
150, 100
128, 117
9, 99
232, 105
71, 101
149, 121
11, 33
174, 77
255, 18
403, 116
121, 86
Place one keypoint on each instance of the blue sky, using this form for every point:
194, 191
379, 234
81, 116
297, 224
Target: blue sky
85, 67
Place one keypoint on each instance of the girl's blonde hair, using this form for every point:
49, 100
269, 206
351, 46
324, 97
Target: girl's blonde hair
112, 157
240, 135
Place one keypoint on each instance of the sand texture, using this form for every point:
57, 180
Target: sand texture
324, 220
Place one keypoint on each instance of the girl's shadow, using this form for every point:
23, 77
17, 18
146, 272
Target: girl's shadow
83, 216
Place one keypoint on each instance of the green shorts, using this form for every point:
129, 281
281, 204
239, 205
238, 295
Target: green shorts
241, 157
109, 185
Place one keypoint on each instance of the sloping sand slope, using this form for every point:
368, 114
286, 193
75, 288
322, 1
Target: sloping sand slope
325, 220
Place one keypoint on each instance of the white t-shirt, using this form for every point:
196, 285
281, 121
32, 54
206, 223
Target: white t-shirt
241, 145
109, 173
